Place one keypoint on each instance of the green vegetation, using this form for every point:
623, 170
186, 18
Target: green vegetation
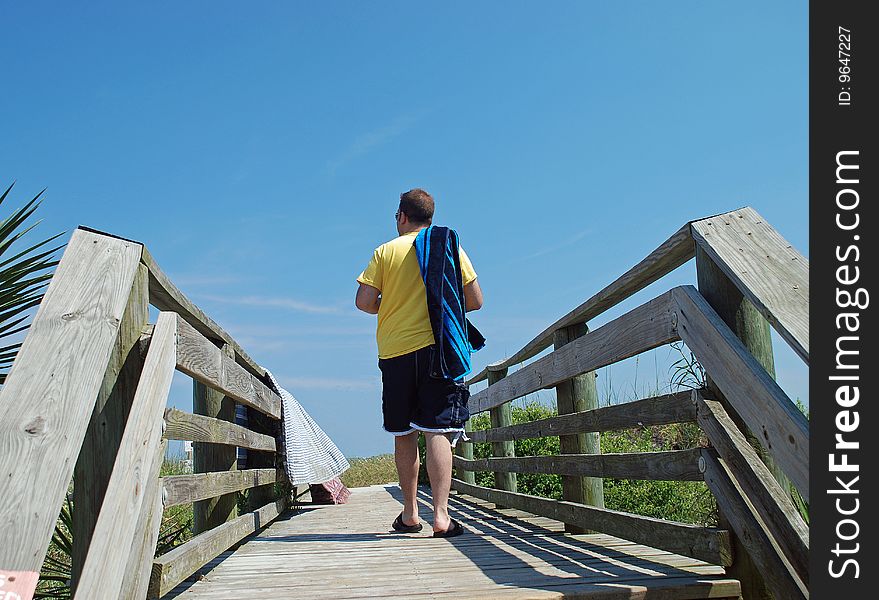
370, 471
23, 276
684, 501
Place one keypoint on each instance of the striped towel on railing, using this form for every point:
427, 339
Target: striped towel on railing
312, 457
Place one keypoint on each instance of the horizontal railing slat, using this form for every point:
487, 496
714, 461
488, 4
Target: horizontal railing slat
764, 267
203, 361
175, 566
671, 254
198, 428
670, 408
648, 326
754, 395
183, 489
672, 465
705, 543
772, 503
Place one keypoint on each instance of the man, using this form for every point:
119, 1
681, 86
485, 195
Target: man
413, 400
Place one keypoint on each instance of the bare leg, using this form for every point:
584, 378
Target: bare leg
439, 468
406, 458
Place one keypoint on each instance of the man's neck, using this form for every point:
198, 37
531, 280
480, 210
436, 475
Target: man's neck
412, 229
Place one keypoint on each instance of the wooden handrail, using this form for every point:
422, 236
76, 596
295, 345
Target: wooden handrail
764, 267
648, 326
672, 465
677, 407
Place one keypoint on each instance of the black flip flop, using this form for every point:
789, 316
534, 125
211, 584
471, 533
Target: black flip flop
454, 529
400, 526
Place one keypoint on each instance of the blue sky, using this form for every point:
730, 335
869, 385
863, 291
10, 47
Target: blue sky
259, 151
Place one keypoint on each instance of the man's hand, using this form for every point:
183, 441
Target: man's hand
369, 298
472, 296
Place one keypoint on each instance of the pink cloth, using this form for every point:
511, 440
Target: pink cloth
329, 492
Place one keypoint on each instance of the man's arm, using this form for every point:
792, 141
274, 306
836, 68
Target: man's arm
472, 296
368, 299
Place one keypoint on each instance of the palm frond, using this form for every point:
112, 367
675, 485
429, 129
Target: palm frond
25, 271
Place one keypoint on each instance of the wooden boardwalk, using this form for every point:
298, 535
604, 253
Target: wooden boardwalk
350, 551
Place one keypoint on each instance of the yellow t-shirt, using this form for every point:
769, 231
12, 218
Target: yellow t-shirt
403, 323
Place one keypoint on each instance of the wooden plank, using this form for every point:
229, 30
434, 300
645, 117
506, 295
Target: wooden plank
774, 506
502, 416
164, 295
465, 451
660, 410
765, 267
204, 362
760, 402
182, 489
94, 464
777, 572
51, 389
672, 465
197, 428
671, 254
181, 562
146, 536
704, 543
648, 326
108, 553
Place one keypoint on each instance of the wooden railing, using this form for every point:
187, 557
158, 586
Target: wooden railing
86, 400
749, 277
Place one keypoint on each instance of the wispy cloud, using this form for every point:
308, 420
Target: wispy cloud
559, 245
275, 302
292, 383
206, 280
370, 141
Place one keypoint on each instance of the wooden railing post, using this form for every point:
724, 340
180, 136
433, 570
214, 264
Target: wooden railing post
753, 329
465, 450
104, 434
576, 395
502, 416
207, 458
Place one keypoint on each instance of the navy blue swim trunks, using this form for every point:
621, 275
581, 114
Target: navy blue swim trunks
413, 400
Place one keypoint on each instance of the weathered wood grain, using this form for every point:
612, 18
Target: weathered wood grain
576, 395
170, 569
204, 362
146, 533
648, 326
164, 295
779, 515
777, 572
671, 254
760, 402
765, 267
704, 543
108, 552
97, 456
51, 389
197, 428
182, 489
502, 416
672, 465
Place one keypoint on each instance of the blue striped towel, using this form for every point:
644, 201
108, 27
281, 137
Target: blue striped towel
454, 335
